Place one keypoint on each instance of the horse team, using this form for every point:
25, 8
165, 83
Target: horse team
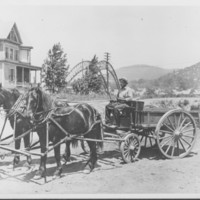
64, 123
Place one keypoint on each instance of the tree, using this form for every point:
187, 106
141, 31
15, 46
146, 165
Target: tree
54, 69
150, 92
91, 80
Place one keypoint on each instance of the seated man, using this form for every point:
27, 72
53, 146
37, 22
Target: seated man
124, 94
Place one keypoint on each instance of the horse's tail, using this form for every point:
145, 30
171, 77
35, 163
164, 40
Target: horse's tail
74, 143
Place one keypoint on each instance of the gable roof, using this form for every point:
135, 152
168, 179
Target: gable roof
5, 29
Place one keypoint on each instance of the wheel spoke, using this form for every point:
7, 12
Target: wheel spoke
165, 137
166, 142
175, 120
150, 141
145, 142
182, 145
179, 120
169, 146
178, 147
187, 130
188, 136
182, 123
185, 126
126, 152
173, 149
186, 142
168, 127
135, 142
171, 123
164, 131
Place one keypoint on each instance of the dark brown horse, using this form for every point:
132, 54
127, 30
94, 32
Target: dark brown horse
78, 120
8, 98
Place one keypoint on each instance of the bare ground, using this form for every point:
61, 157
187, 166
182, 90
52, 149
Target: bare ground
151, 175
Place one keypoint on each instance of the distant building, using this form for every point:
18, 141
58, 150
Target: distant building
15, 59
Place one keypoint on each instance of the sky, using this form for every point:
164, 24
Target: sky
165, 35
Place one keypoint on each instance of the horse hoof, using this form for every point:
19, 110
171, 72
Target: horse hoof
39, 174
37, 177
87, 170
57, 174
55, 177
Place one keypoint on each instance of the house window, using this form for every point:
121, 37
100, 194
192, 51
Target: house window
12, 75
16, 55
7, 53
11, 54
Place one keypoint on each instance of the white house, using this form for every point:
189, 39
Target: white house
16, 69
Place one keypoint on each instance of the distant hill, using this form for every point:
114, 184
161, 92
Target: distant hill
136, 72
186, 78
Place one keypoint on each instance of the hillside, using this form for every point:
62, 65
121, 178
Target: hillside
136, 72
179, 82
186, 78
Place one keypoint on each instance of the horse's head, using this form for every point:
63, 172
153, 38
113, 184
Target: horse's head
8, 97
34, 102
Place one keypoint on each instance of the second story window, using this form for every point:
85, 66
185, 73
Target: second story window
7, 53
11, 54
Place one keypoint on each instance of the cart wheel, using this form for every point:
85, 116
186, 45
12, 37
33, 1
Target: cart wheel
84, 146
147, 140
176, 133
130, 148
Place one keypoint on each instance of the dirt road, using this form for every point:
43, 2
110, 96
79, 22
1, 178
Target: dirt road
151, 175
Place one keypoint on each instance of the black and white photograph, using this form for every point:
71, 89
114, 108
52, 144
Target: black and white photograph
99, 99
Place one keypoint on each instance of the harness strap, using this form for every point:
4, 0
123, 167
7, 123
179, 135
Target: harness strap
16, 106
68, 134
60, 115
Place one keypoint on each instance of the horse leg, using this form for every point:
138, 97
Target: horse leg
67, 153
92, 159
41, 172
58, 171
16, 156
27, 146
96, 133
17, 146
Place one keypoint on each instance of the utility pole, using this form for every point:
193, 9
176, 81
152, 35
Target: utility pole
107, 58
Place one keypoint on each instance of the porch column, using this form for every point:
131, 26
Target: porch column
15, 76
29, 76
23, 76
3, 75
35, 79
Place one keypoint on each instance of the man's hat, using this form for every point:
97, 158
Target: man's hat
124, 79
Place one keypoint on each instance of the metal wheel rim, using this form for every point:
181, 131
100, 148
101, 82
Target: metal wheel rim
176, 134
